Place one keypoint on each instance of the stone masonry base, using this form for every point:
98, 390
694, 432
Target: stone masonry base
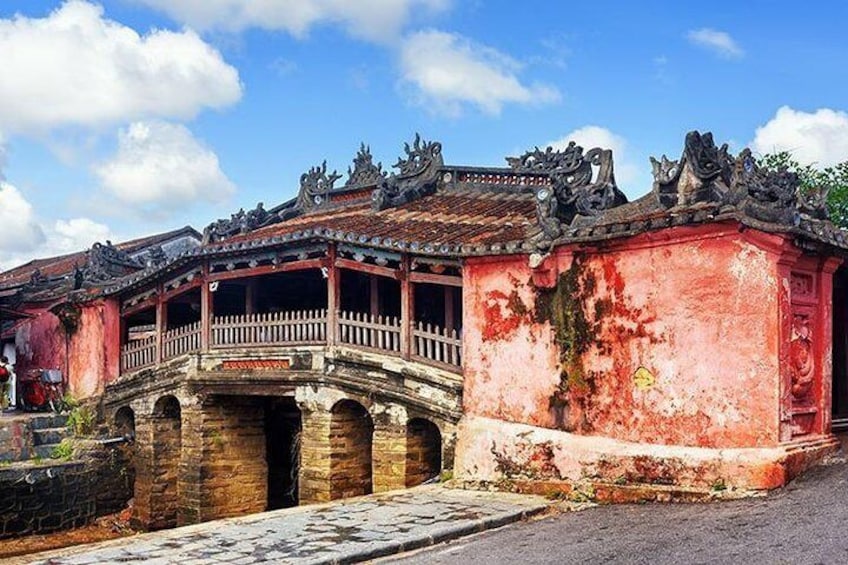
542, 461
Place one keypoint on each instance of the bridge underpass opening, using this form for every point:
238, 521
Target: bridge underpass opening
282, 452
351, 436
124, 426
423, 451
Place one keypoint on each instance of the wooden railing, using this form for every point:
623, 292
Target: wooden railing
181, 340
273, 328
373, 332
138, 354
432, 343
429, 343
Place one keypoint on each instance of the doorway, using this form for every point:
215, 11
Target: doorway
282, 451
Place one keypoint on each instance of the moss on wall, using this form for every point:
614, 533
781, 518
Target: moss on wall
576, 317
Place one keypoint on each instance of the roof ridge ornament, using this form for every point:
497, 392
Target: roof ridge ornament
105, 262
703, 172
417, 175
707, 173
238, 223
365, 172
538, 161
572, 193
315, 185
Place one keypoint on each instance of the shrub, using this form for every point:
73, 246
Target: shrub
65, 450
81, 421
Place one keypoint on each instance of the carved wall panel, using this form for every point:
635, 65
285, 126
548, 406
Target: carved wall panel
803, 354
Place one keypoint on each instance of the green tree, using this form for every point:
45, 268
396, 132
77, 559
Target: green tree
834, 178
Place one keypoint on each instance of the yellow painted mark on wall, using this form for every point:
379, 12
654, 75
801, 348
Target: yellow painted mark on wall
643, 378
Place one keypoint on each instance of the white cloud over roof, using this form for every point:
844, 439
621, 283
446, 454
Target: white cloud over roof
819, 138
77, 68
445, 72
160, 165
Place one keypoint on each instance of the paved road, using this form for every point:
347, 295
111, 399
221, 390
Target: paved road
807, 522
352, 530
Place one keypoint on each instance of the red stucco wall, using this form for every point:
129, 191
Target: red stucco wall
92, 351
685, 328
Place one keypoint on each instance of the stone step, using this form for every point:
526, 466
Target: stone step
49, 421
49, 436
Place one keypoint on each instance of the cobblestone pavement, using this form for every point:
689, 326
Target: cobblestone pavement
801, 524
341, 532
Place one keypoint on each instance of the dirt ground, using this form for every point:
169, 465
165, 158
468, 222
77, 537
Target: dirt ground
104, 528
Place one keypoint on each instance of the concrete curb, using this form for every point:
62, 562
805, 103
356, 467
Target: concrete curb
448, 533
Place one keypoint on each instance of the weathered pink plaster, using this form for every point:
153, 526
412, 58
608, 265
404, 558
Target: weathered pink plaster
88, 358
690, 348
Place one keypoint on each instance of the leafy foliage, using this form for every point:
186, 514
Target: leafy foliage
65, 450
834, 178
81, 421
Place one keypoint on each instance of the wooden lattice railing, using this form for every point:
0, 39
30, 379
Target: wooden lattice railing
429, 343
373, 332
273, 328
181, 340
432, 343
138, 354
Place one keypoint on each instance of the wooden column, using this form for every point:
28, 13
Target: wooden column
333, 295
206, 312
407, 309
250, 296
449, 321
375, 295
161, 325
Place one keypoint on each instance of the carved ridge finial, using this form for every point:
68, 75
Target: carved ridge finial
416, 177
364, 171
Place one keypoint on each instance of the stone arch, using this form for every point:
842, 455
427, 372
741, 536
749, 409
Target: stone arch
123, 422
423, 451
351, 437
165, 465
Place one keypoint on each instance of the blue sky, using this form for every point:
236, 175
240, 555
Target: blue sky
127, 117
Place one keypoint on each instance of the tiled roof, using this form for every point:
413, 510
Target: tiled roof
452, 217
61, 265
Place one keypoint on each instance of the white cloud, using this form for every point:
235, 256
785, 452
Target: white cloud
61, 238
26, 237
68, 236
447, 71
719, 42
160, 166
21, 231
819, 137
373, 20
626, 171
77, 68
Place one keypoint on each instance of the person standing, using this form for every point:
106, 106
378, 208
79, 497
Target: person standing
7, 383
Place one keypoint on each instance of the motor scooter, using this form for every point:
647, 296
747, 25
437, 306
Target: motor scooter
41, 390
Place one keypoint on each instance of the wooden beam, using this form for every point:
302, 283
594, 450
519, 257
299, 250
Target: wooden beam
368, 268
146, 304
267, 270
333, 296
432, 278
196, 282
